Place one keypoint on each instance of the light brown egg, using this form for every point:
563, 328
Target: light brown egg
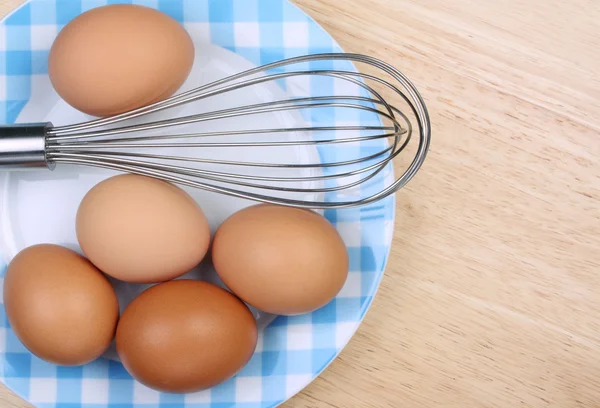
61, 307
185, 336
115, 58
139, 229
281, 260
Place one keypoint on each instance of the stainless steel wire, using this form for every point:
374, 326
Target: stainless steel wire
112, 143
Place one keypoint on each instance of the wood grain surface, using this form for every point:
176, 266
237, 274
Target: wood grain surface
492, 293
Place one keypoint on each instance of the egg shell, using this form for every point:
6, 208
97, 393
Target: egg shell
281, 260
119, 57
140, 229
61, 307
185, 336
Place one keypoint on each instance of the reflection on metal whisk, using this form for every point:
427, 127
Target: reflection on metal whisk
338, 181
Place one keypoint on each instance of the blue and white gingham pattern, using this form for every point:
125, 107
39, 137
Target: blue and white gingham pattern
292, 351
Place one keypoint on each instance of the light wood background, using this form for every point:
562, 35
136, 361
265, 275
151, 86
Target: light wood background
492, 294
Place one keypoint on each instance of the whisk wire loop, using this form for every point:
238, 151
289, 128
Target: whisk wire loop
333, 181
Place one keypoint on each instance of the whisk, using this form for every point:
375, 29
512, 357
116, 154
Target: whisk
346, 181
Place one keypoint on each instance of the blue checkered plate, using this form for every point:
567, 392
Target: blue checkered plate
291, 351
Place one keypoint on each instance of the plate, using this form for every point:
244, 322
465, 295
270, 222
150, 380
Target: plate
39, 206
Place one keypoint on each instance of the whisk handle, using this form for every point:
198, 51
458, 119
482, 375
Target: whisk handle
24, 146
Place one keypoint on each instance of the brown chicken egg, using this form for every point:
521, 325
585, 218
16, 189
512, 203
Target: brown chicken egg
61, 307
185, 336
119, 57
279, 259
140, 229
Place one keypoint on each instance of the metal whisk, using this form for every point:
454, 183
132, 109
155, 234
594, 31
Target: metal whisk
353, 178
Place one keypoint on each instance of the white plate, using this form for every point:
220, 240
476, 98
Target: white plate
39, 206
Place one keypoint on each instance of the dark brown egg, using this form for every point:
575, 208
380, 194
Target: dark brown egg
185, 336
59, 305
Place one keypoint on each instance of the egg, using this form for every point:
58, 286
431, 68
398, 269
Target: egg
279, 259
60, 306
185, 336
119, 57
140, 229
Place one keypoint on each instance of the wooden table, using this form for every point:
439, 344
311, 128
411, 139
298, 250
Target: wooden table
492, 293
